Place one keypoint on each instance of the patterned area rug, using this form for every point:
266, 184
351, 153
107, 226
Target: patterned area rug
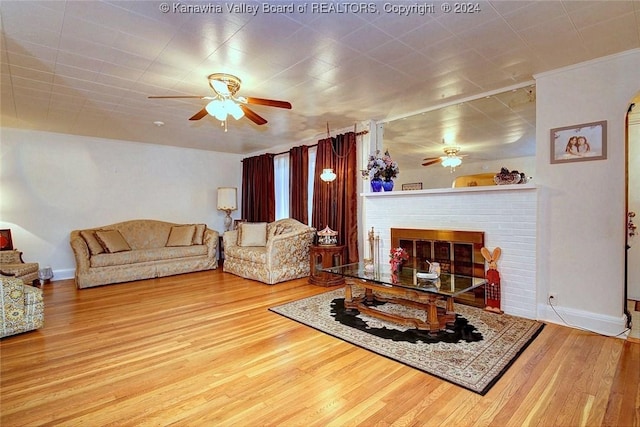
473, 354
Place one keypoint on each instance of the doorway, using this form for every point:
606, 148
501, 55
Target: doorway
632, 256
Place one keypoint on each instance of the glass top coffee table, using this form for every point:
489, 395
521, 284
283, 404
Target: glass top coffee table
408, 289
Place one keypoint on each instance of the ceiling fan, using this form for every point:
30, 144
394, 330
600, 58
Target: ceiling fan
225, 102
450, 159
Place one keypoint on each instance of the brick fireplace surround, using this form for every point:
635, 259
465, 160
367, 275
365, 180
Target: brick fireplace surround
506, 214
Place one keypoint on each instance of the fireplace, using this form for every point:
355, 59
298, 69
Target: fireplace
457, 252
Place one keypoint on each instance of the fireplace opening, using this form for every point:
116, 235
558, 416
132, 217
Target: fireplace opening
458, 252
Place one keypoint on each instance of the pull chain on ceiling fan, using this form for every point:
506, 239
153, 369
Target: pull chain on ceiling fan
225, 102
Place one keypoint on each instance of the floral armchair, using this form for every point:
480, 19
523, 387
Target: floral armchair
11, 264
21, 307
269, 253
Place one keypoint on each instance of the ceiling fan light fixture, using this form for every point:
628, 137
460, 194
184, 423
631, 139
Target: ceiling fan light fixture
451, 161
216, 109
224, 84
233, 109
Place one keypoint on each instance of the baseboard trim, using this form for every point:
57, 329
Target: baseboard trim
68, 273
579, 319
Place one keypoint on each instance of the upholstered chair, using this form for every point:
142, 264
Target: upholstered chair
12, 265
21, 307
269, 253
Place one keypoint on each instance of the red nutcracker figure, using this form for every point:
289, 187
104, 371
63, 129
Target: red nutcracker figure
492, 291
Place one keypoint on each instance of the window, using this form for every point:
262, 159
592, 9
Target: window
281, 182
281, 172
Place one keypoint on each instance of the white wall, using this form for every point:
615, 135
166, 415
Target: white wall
581, 209
54, 183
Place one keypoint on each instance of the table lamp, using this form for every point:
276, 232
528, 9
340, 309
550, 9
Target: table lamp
227, 201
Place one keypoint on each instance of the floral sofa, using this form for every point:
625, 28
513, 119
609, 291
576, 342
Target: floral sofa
269, 253
141, 249
21, 307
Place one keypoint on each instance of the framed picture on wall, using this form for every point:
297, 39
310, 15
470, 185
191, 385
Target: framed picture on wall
6, 243
579, 143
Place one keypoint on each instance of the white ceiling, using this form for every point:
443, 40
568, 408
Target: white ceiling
87, 67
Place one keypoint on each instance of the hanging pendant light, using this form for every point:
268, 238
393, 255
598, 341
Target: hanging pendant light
328, 175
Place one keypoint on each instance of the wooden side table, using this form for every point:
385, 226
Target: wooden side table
325, 257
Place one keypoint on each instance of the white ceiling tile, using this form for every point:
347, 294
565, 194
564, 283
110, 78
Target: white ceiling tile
81, 51
599, 38
585, 13
391, 51
30, 20
31, 74
365, 39
25, 53
138, 46
123, 72
92, 32
397, 25
427, 35
535, 13
474, 14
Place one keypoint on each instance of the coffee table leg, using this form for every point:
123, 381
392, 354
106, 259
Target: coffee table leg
450, 309
368, 295
432, 315
348, 295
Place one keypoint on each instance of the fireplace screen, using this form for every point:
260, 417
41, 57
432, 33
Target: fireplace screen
457, 251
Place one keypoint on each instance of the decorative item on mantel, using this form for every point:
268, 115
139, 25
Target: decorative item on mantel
513, 177
382, 171
327, 237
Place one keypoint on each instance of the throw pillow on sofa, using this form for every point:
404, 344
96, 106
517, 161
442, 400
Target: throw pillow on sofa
94, 245
198, 236
181, 235
252, 234
112, 241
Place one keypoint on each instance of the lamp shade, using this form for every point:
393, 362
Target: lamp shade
227, 198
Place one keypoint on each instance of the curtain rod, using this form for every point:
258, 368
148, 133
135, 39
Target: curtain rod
362, 132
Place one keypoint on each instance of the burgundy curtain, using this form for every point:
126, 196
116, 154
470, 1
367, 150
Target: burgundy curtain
298, 183
336, 203
258, 189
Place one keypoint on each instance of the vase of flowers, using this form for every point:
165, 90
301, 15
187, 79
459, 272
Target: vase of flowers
397, 258
382, 171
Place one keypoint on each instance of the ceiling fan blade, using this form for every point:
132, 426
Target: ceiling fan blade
429, 162
269, 102
180, 96
200, 114
252, 115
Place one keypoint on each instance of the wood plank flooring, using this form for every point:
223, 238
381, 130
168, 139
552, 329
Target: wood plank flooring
203, 349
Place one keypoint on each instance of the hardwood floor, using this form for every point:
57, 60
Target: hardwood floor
203, 349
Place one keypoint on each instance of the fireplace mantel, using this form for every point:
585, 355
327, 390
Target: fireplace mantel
476, 189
